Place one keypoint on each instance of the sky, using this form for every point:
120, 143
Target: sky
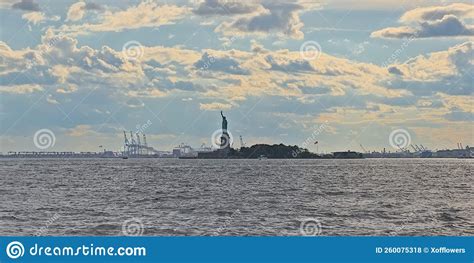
381, 74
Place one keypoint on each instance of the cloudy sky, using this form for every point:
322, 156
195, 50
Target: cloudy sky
341, 72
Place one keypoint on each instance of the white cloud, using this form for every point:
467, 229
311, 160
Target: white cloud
447, 72
38, 17
145, 14
214, 106
78, 10
20, 89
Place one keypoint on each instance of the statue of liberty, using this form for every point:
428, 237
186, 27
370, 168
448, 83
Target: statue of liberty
225, 138
224, 122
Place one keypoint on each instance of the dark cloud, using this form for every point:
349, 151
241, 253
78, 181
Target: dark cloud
448, 21
450, 85
225, 7
373, 108
281, 17
394, 70
432, 13
459, 115
34, 75
314, 90
164, 84
223, 64
93, 6
134, 103
27, 5
289, 65
448, 26
154, 63
395, 101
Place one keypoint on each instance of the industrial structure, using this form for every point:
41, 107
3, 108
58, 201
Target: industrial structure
135, 147
184, 151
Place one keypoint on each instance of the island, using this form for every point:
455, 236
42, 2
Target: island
265, 151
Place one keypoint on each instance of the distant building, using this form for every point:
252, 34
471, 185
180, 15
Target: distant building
347, 155
468, 152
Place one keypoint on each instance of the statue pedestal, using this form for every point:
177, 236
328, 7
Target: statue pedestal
225, 140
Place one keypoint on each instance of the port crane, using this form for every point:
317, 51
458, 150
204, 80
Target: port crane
133, 146
242, 144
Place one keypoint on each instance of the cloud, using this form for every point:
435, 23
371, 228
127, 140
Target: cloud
225, 7
61, 65
214, 106
222, 64
329, 87
447, 72
38, 17
458, 115
276, 17
260, 17
289, 65
395, 70
380, 5
433, 13
448, 26
93, 6
20, 89
145, 14
257, 47
77, 10
96, 85
27, 5
51, 100
58, 62
34, 17
81, 130
177, 85
314, 90
437, 21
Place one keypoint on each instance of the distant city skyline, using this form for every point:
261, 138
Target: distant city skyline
291, 72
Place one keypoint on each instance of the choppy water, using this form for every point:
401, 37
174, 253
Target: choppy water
236, 197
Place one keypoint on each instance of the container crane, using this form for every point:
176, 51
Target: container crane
242, 144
